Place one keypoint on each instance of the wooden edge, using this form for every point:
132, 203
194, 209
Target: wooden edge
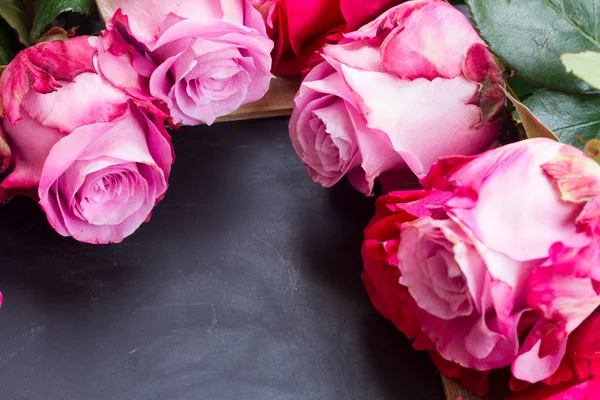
279, 101
454, 390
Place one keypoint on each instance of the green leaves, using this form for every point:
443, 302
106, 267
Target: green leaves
13, 12
25, 22
553, 46
585, 66
7, 51
574, 119
46, 11
13, 29
529, 36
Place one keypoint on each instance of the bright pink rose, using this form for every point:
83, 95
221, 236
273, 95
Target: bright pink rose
212, 56
393, 301
415, 84
493, 279
300, 28
96, 151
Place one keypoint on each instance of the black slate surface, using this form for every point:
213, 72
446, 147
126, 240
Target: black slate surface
245, 285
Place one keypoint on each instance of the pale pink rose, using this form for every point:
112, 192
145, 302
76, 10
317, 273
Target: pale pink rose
491, 262
95, 153
413, 85
212, 56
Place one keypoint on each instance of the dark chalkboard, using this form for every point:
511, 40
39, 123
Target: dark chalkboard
245, 285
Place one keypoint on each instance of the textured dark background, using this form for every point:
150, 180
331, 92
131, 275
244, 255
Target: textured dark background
245, 285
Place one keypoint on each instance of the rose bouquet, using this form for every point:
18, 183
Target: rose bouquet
491, 260
478, 128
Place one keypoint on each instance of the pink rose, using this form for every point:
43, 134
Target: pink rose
413, 85
96, 151
211, 56
393, 301
493, 279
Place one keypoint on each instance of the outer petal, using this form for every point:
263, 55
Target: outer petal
363, 54
146, 17
125, 66
534, 208
431, 42
565, 302
30, 144
212, 27
582, 357
86, 100
92, 141
376, 152
42, 68
253, 18
388, 20
576, 175
423, 119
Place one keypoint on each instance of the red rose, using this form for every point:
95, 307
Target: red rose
393, 300
300, 28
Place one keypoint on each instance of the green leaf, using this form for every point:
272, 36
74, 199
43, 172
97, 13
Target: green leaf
13, 12
522, 88
585, 66
7, 43
6, 55
574, 118
46, 12
530, 35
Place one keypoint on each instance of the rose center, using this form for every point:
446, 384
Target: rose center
331, 151
217, 81
105, 188
109, 196
431, 259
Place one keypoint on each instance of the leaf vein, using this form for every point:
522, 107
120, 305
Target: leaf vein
573, 23
579, 125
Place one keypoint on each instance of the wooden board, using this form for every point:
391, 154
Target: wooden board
455, 390
278, 102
